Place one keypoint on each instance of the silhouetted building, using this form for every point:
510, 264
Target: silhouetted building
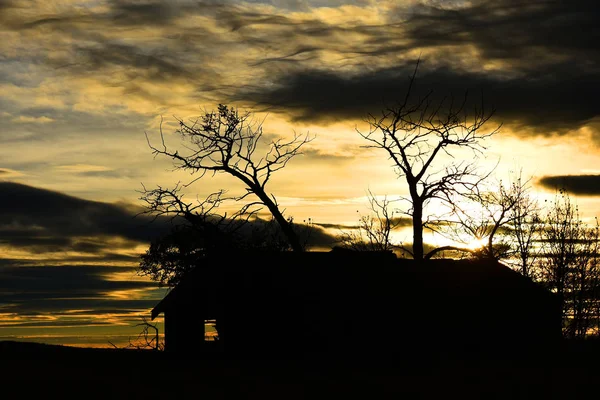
356, 303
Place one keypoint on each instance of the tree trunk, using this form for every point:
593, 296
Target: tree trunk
524, 264
417, 222
285, 225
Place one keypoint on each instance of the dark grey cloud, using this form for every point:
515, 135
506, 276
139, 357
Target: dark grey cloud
161, 12
317, 238
34, 290
141, 13
118, 12
66, 280
237, 19
545, 81
42, 217
586, 185
47, 221
398, 222
510, 29
334, 226
5, 4
154, 64
182, 52
401, 222
306, 5
548, 82
39, 241
326, 95
105, 256
59, 324
551, 100
36, 240
48, 302
86, 44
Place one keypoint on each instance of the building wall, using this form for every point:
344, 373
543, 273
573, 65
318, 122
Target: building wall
343, 305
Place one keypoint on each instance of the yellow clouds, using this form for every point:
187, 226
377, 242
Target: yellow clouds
33, 120
129, 294
91, 77
7, 173
106, 251
81, 168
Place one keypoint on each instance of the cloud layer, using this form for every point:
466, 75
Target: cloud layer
44, 289
535, 63
47, 221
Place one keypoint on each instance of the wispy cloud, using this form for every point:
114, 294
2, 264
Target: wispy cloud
7, 173
32, 120
106, 70
82, 168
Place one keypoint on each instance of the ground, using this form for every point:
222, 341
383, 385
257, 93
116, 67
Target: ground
30, 370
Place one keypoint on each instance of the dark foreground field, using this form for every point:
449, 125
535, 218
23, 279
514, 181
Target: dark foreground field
30, 369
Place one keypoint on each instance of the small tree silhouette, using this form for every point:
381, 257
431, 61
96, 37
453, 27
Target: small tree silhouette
495, 215
374, 231
147, 339
570, 265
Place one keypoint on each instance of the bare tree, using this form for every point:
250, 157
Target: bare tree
490, 214
374, 230
198, 229
225, 141
570, 264
146, 339
525, 230
560, 234
584, 285
414, 134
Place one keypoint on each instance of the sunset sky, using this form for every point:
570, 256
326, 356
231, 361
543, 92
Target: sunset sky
83, 81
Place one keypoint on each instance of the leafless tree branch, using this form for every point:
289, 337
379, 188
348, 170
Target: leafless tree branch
225, 141
414, 133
